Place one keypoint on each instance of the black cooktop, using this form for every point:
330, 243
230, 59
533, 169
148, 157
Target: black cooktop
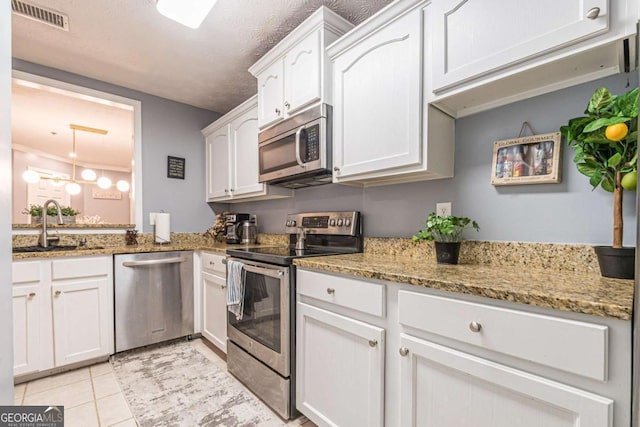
282, 255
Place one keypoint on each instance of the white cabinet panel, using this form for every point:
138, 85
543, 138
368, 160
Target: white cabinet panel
340, 369
218, 164
82, 320
377, 89
244, 142
26, 329
214, 312
445, 387
271, 94
302, 85
474, 37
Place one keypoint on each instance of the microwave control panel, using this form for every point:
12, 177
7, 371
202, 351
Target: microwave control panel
312, 144
324, 223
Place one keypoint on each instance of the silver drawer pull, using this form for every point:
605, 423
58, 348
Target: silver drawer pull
404, 351
593, 13
475, 327
331, 291
373, 343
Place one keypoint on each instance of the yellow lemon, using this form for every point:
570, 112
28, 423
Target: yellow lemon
630, 180
616, 132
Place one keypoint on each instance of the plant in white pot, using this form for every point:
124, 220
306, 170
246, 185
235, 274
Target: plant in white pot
446, 232
605, 142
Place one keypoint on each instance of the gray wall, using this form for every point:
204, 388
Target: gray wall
6, 305
168, 129
569, 212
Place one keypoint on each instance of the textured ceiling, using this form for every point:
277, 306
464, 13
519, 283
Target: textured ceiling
128, 43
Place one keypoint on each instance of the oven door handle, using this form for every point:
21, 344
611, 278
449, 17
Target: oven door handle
298, 158
273, 272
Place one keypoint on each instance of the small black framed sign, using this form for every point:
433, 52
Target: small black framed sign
175, 167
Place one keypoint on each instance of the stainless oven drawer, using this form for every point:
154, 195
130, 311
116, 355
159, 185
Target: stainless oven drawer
273, 389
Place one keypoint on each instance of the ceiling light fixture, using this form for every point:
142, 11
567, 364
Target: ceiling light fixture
72, 186
187, 12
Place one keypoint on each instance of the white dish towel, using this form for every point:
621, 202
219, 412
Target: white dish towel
235, 288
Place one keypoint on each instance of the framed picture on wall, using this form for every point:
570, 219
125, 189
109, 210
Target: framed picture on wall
534, 159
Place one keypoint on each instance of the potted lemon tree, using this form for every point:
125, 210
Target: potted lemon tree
446, 232
605, 142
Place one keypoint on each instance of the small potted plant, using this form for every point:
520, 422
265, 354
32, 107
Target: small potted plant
446, 232
605, 142
68, 214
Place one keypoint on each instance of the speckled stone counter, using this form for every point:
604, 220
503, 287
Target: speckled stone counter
74, 226
107, 244
581, 292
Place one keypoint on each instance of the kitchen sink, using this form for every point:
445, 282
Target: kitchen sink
53, 248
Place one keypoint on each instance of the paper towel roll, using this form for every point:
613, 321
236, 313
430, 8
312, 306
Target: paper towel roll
163, 228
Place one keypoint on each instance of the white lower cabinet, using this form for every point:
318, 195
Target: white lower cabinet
443, 359
62, 312
340, 369
441, 386
214, 300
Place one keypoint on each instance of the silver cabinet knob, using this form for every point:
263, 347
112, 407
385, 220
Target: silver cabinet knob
404, 351
278, 111
212, 263
475, 326
31, 295
226, 190
331, 291
593, 13
57, 293
287, 105
336, 169
223, 286
373, 343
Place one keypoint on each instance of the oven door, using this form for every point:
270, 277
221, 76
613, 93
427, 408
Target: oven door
264, 328
298, 151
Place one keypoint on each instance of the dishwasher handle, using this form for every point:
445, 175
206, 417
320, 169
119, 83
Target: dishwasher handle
153, 262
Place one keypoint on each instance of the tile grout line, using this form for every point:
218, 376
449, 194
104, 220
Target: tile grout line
95, 401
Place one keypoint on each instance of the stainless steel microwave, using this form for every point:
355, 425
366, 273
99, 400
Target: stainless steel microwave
297, 152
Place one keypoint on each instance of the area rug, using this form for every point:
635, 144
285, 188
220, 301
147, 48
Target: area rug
175, 385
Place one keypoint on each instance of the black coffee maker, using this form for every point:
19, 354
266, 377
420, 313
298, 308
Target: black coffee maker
233, 226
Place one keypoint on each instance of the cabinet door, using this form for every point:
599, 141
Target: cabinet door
340, 369
271, 94
218, 165
377, 97
474, 37
214, 310
445, 387
82, 319
302, 85
26, 329
244, 137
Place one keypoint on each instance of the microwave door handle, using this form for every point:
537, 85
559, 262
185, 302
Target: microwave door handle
298, 159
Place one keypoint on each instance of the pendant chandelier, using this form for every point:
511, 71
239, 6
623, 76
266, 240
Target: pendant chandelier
89, 176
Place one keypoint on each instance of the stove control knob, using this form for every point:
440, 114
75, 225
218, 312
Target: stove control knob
347, 222
288, 223
340, 222
293, 223
332, 222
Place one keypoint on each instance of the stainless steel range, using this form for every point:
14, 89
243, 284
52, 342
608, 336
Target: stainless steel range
261, 342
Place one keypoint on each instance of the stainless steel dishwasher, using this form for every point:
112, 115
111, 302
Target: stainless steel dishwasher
153, 298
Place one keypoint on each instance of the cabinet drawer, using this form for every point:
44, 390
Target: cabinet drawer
81, 267
25, 272
571, 346
213, 263
357, 295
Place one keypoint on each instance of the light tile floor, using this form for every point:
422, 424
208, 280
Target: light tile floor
92, 397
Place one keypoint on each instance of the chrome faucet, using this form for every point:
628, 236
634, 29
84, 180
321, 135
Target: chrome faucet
300, 238
44, 237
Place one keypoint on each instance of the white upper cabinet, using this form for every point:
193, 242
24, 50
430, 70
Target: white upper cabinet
384, 132
293, 75
232, 158
491, 52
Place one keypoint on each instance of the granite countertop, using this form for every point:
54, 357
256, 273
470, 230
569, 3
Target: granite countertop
587, 293
123, 249
74, 226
